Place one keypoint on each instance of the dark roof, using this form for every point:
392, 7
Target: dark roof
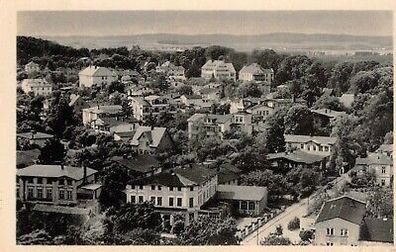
141, 163
54, 171
375, 158
26, 158
225, 177
377, 230
345, 208
164, 178
296, 156
196, 173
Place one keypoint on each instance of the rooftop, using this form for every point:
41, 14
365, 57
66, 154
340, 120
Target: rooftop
96, 71
305, 139
255, 69
377, 230
105, 109
234, 192
141, 163
155, 134
296, 156
375, 158
54, 171
35, 135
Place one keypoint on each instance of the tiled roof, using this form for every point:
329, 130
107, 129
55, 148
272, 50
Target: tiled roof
377, 230
105, 109
141, 163
234, 192
305, 139
218, 65
37, 135
141, 101
96, 71
54, 171
296, 156
374, 158
28, 157
252, 69
345, 208
196, 173
156, 134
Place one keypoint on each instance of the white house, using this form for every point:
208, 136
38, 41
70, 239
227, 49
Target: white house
319, 145
218, 69
37, 86
96, 76
254, 72
32, 67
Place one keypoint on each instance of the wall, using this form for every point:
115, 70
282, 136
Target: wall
321, 237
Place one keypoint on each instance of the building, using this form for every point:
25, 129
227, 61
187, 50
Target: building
195, 101
37, 86
285, 161
376, 232
96, 76
151, 140
386, 149
249, 200
210, 94
218, 69
32, 67
140, 166
260, 112
216, 125
152, 105
183, 190
90, 115
380, 164
172, 71
35, 138
281, 103
323, 117
254, 72
77, 103
339, 222
27, 157
319, 145
55, 184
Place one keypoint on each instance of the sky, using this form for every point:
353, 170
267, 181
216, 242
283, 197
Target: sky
116, 23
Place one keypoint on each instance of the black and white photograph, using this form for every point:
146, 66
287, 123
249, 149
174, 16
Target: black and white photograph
194, 127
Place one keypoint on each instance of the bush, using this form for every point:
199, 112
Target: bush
294, 224
306, 235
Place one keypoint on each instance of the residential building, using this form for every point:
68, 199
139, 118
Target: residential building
96, 76
386, 149
195, 101
55, 184
280, 103
217, 125
376, 232
260, 112
35, 138
285, 161
218, 69
32, 67
380, 164
152, 105
77, 103
254, 72
140, 166
172, 71
339, 222
249, 200
211, 94
319, 145
27, 157
90, 115
183, 190
323, 117
37, 86
151, 140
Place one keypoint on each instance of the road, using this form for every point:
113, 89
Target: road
298, 209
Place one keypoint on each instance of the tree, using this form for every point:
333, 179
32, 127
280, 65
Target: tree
299, 121
329, 102
275, 240
273, 137
116, 86
249, 89
185, 90
388, 138
294, 224
209, 231
380, 203
52, 152
37, 237
306, 235
114, 179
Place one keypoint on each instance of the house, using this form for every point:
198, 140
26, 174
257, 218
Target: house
323, 117
195, 101
250, 200
96, 76
77, 103
55, 184
112, 125
386, 149
260, 112
285, 161
37, 86
379, 164
152, 105
172, 71
151, 140
254, 72
183, 190
228, 174
32, 67
216, 125
218, 69
241, 105
140, 166
339, 222
26, 157
211, 94
281, 103
319, 145
35, 138
90, 115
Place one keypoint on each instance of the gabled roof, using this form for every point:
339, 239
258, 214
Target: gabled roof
345, 208
375, 158
73, 99
28, 157
296, 156
385, 148
196, 173
54, 171
328, 112
377, 230
141, 101
141, 163
156, 134
96, 71
105, 109
255, 69
217, 65
305, 139
235, 192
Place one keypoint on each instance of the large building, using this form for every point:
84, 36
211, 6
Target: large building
151, 140
35, 138
37, 86
218, 69
380, 164
152, 105
56, 184
92, 114
319, 145
96, 76
254, 72
216, 125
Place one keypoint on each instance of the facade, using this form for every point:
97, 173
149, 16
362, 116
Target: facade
318, 145
254, 72
379, 164
37, 86
339, 222
96, 76
90, 115
151, 105
172, 71
183, 190
151, 140
249, 200
218, 69
35, 138
53, 184
323, 117
260, 112
32, 67
217, 125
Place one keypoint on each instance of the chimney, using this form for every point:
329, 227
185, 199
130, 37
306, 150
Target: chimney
152, 127
190, 165
85, 173
62, 165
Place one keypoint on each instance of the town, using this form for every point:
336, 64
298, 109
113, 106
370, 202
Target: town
206, 146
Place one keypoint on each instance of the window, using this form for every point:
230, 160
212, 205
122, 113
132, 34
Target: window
344, 232
39, 193
383, 170
152, 199
382, 182
326, 148
153, 187
191, 202
302, 146
133, 186
30, 192
17, 192
133, 199
61, 182
30, 180
320, 148
61, 194
49, 193
171, 188
159, 201
330, 231
141, 199
252, 205
179, 189
69, 195
314, 148
179, 201
171, 201
39, 180
159, 188
329, 244
191, 188
141, 187
243, 205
